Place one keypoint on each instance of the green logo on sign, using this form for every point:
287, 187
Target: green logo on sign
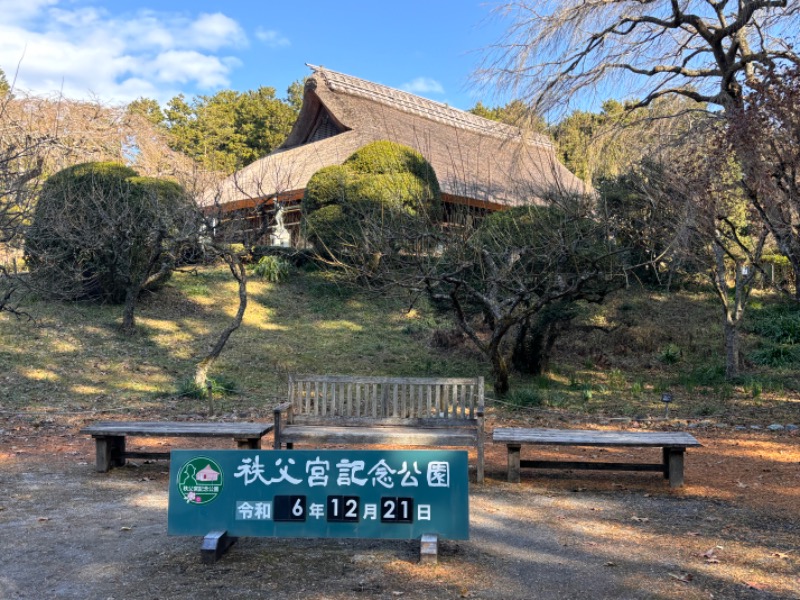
200, 480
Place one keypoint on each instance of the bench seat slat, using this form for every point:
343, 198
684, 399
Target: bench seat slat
159, 428
582, 437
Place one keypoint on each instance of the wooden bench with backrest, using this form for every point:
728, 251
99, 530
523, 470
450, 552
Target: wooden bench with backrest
672, 443
405, 411
110, 437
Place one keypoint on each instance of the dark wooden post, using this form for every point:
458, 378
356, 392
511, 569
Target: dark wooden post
513, 462
676, 467
109, 452
103, 453
249, 443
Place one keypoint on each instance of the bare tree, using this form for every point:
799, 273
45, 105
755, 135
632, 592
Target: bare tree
766, 134
706, 50
24, 152
726, 234
492, 276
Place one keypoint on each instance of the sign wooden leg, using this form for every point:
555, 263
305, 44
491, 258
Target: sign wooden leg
215, 544
429, 549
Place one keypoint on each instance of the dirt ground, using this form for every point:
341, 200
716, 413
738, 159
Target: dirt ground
733, 531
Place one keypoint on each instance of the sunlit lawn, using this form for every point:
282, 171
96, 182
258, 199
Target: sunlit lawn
74, 357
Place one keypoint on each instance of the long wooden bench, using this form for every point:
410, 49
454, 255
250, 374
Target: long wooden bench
405, 411
110, 437
673, 446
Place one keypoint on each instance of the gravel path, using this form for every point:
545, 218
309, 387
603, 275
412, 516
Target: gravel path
70, 533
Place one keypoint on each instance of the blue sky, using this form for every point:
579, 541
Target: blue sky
117, 51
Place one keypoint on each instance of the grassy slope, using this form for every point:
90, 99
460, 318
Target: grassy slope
74, 358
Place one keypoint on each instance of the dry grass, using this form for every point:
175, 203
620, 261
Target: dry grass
74, 357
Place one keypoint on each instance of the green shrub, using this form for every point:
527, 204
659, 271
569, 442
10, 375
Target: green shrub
271, 268
221, 385
97, 227
779, 326
776, 355
779, 323
327, 186
525, 397
385, 157
670, 354
702, 376
347, 209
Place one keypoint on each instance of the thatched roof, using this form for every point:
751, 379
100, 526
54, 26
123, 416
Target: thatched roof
477, 161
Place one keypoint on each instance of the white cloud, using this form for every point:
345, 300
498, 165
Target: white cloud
212, 32
17, 11
423, 85
84, 51
272, 38
184, 66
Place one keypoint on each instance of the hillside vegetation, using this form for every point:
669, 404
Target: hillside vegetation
617, 363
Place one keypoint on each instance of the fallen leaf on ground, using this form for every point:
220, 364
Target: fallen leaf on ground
755, 586
610, 564
693, 533
775, 554
43, 519
683, 577
640, 519
125, 528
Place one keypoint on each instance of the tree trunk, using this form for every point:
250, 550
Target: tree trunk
128, 319
731, 350
204, 366
499, 372
532, 349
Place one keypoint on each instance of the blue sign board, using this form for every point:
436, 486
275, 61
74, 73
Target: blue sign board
390, 494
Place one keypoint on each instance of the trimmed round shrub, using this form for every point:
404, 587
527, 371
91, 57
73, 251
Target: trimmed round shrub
327, 186
97, 228
349, 209
385, 157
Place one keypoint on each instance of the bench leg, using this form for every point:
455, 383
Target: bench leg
109, 451
665, 458
248, 443
513, 462
675, 467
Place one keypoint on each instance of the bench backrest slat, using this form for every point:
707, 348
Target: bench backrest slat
381, 398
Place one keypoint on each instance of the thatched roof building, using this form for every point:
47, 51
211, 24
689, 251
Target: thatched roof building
479, 163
